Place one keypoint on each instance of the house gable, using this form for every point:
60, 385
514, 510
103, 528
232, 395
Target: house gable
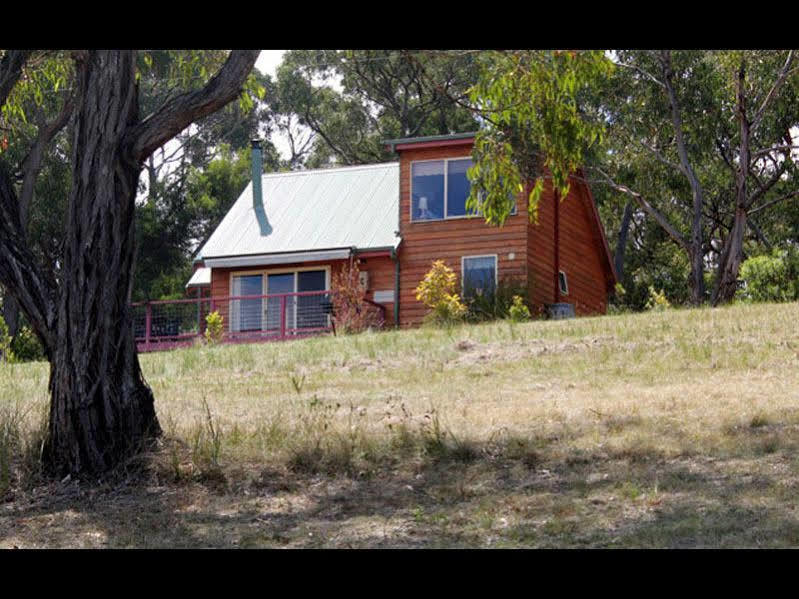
528, 253
452, 238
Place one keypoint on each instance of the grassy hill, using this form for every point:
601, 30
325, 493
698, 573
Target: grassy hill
677, 428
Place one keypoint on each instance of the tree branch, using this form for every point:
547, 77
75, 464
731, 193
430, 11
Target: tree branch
641, 71
11, 70
181, 111
648, 208
772, 202
767, 151
18, 271
783, 75
32, 163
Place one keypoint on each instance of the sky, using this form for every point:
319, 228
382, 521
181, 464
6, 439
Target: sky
267, 63
268, 60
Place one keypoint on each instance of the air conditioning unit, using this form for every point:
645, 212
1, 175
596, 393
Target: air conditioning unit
363, 279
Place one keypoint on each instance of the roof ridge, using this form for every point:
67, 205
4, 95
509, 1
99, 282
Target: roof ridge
316, 171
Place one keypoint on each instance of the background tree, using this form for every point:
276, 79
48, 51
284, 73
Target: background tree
535, 126
32, 123
381, 94
170, 220
101, 409
676, 144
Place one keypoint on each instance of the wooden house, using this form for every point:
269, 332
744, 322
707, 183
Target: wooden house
288, 232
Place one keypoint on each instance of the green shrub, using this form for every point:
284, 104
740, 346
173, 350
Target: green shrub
214, 330
6, 354
771, 277
26, 346
657, 300
495, 304
518, 311
436, 292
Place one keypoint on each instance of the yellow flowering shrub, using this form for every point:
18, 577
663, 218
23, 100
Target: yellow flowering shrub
436, 291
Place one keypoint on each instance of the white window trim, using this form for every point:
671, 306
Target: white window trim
565, 283
463, 269
265, 284
514, 212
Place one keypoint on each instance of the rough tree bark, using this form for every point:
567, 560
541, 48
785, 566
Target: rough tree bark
732, 253
101, 408
30, 167
621, 242
696, 249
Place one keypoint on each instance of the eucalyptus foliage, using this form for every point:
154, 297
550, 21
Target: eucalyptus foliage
534, 126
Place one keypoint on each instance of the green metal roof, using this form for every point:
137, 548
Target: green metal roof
304, 211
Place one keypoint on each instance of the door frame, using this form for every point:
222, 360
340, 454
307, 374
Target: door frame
265, 272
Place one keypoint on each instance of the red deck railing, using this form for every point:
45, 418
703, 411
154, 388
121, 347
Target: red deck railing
166, 324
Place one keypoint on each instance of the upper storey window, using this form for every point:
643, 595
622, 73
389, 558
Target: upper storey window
439, 189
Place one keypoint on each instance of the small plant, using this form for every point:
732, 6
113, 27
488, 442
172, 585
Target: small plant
352, 313
657, 300
207, 446
297, 382
6, 355
518, 311
436, 292
494, 303
214, 330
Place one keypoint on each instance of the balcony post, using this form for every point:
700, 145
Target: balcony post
148, 322
283, 317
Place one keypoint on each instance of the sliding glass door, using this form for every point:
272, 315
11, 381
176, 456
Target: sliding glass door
310, 314
303, 312
246, 313
279, 283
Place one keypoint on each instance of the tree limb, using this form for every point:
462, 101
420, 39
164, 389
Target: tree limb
767, 151
783, 75
32, 163
772, 202
177, 114
640, 71
18, 271
648, 208
11, 70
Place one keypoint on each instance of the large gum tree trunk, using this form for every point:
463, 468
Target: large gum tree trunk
101, 408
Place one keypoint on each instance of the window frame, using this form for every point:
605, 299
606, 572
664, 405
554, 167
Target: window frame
265, 272
463, 270
446, 161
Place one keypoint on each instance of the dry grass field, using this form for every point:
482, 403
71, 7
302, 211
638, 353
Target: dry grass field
669, 429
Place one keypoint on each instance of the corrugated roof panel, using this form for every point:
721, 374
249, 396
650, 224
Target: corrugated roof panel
309, 210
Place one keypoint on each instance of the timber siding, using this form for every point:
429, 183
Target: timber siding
580, 256
525, 251
580, 247
452, 239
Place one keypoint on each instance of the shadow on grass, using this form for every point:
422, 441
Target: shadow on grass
514, 493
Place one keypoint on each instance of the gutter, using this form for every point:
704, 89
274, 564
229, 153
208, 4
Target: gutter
278, 258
